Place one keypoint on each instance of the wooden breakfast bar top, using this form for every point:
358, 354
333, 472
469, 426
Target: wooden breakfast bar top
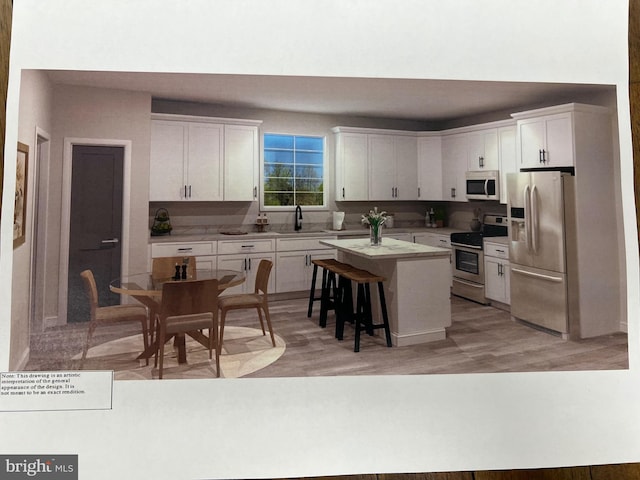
416, 287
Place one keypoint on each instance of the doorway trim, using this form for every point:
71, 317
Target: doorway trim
39, 240
65, 223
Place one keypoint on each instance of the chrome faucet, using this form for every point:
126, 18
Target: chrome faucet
298, 220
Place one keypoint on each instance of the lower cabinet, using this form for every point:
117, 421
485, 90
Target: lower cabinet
204, 252
294, 267
496, 272
245, 255
247, 263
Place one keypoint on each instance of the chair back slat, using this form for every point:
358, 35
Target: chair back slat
262, 277
189, 297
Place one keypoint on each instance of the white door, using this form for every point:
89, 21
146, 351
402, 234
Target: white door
531, 142
429, 168
290, 273
167, 175
353, 165
559, 141
241, 163
204, 167
406, 154
382, 167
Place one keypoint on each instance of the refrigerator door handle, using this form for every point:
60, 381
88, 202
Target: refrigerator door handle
527, 217
534, 219
537, 275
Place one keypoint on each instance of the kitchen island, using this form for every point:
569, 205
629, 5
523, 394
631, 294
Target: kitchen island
416, 287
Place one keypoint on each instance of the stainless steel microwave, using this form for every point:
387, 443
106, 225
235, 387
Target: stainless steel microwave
483, 185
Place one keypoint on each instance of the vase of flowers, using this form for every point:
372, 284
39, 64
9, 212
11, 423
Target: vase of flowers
375, 220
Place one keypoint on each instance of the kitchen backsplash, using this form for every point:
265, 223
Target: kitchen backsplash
196, 218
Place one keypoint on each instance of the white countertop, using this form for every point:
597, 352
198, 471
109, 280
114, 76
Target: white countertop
207, 237
390, 248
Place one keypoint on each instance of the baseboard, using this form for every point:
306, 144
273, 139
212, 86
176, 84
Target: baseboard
417, 338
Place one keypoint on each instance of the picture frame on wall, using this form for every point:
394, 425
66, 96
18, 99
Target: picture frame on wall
20, 208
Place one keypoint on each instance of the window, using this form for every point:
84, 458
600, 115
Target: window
293, 170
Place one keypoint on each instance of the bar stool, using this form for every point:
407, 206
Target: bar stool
329, 267
363, 317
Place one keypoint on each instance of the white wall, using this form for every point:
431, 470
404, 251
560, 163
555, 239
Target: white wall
35, 111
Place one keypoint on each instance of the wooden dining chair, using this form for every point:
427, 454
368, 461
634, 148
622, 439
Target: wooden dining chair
188, 307
258, 300
165, 267
110, 314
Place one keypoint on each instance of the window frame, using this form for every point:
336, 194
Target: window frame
325, 174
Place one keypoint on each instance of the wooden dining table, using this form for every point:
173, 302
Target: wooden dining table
147, 289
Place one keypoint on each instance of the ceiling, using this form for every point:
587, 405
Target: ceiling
408, 99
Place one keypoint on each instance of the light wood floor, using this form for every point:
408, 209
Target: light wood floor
481, 339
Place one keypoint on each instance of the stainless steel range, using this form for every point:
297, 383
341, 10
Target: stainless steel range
468, 257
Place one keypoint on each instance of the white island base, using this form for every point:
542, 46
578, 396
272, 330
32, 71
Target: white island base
416, 287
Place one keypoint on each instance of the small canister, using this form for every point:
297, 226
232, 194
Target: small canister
389, 221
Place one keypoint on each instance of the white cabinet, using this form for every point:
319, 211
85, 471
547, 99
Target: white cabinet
352, 166
203, 159
430, 168
186, 161
204, 252
245, 256
435, 240
375, 164
241, 162
546, 141
496, 271
294, 267
507, 156
393, 167
482, 150
454, 166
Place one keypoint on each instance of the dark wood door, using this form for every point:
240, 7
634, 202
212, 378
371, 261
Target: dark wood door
96, 224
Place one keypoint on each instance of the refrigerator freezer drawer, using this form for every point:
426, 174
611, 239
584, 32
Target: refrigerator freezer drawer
539, 297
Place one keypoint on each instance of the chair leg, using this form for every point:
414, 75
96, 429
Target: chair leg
85, 349
312, 291
145, 338
161, 340
261, 321
385, 317
223, 317
268, 318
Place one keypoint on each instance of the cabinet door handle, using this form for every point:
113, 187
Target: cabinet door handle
544, 156
453, 193
185, 191
189, 191
419, 194
342, 192
255, 192
245, 264
249, 264
481, 162
185, 249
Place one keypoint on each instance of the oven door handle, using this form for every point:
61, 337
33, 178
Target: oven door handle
466, 246
469, 284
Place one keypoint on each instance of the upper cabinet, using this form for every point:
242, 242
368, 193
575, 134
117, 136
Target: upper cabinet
203, 159
352, 165
454, 166
430, 167
375, 164
546, 141
482, 150
186, 161
241, 162
393, 167
507, 157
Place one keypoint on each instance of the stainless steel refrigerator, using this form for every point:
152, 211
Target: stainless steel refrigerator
541, 224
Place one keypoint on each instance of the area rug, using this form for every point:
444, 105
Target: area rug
244, 351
